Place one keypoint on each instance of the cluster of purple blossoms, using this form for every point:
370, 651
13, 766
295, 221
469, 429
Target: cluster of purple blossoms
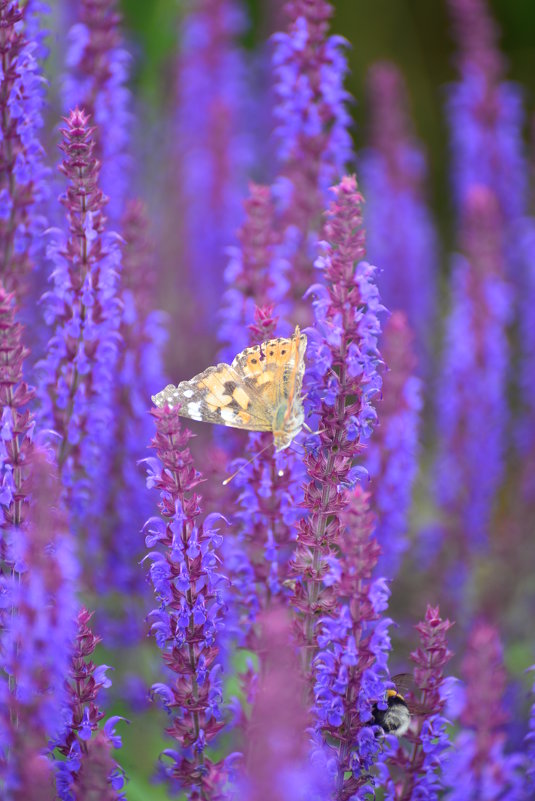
392, 453
277, 766
475, 366
351, 664
341, 382
23, 171
97, 73
38, 627
139, 371
17, 423
213, 151
185, 574
76, 375
250, 275
314, 146
418, 763
486, 116
87, 767
400, 233
481, 766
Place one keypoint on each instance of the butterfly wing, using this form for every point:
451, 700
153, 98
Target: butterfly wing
218, 395
274, 370
248, 393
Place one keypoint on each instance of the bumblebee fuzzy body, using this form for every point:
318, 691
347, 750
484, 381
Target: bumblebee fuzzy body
396, 718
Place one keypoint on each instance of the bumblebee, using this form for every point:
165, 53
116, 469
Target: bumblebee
396, 718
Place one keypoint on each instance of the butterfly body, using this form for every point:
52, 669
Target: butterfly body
259, 391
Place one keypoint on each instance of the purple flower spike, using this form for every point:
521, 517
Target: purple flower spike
392, 454
341, 380
250, 272
88, 764
83, 308
17, 423
276, 741
37, 635
23, 175
422, 764
482, 766
400, 233
472, 407
351, 665
212, 144
314, 146
139, 372
189, 616
96, 81
486, 117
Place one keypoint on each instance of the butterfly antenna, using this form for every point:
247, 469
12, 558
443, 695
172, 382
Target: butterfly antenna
246, 464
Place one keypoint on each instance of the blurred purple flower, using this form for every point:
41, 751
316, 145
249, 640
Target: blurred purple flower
276, 759
391, 457
314, 146
401, 237
96, 80
77, 373
23, 185
351, 664
346, 308
138, 374
17, 424
481, 766
87, 765
250, 273
184, 570
212, 147
486, 117
472, 409
37, 635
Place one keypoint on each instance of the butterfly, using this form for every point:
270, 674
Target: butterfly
259, 391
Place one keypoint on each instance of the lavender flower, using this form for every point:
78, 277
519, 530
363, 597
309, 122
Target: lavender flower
351, 664
23, 173
76, 375
401, 235
37, 636
341, 381
276, 744
212, 146
314, 146
472, 409
98, 67
421, 766
249, 273
392, 453
139, 372
16, 439
480, 766
88, 766
486, 117
184, 573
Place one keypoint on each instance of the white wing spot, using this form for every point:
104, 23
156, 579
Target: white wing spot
228, 415
194, 410
188, 393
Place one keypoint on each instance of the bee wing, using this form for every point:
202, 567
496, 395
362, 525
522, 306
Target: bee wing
407, 687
